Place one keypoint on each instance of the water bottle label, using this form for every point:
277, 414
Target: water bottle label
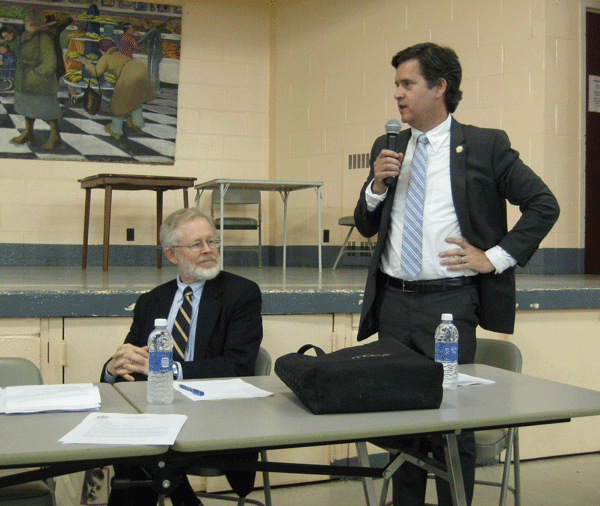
160, 361
446, 352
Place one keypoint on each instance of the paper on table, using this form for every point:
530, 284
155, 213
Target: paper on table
466, 380
42, 398
126, 429
221, 389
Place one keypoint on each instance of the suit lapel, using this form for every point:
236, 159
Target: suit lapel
458, 177
208, 313
164, 299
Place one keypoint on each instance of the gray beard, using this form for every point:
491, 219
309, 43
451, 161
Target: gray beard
200, 273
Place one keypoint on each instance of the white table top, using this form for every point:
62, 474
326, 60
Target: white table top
281, 420
32, 439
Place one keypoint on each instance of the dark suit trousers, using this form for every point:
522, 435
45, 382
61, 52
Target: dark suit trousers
242, 483
411, 318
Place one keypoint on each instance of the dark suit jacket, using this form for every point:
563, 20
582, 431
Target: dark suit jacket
485, 172
228, 336
228, 331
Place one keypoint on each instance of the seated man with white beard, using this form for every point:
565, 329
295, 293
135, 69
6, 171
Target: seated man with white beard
224, 335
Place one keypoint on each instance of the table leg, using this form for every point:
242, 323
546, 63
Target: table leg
320, 238
159, 217
86, 226
368, 484
105, 243
185, 198
451, 471
284, 195
455, 477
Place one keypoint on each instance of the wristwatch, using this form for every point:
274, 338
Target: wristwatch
175, 370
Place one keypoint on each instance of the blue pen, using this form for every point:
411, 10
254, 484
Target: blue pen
195, 391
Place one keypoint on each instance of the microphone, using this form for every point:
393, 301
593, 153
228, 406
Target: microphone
392, 129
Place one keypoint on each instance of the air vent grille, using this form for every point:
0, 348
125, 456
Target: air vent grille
358, 161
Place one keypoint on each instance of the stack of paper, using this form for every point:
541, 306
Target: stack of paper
43, 398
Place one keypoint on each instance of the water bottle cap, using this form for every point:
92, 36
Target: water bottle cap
160, 322
447, 317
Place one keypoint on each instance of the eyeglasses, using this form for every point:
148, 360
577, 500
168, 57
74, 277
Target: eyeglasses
199, 245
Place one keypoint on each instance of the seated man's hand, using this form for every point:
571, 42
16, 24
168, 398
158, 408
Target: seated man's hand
129, 359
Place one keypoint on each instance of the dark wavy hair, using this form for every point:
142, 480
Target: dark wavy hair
437, 63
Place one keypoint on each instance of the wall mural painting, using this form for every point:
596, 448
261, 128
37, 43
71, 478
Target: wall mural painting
94, 81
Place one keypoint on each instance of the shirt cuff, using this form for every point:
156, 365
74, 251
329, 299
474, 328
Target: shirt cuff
373, 199
177, 372
108, 377
501, 260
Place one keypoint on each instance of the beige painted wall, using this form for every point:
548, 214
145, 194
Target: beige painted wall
287, 88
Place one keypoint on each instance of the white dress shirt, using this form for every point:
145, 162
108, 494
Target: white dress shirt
439, 216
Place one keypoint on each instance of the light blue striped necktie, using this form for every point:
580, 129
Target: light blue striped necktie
412, 235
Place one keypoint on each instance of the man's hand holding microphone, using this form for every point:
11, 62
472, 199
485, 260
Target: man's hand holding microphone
386, 166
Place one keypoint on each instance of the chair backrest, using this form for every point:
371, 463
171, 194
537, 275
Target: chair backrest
236, 196
497, 353
262, 367
16, 371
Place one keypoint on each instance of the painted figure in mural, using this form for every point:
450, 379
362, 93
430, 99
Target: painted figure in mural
132, 87
75, 46
128, 42
56, 28
12, 38
36, 83
153, 41
8, 61
109, 32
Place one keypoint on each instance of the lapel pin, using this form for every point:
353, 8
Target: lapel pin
459, 149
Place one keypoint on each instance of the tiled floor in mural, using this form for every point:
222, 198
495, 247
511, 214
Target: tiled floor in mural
84, 137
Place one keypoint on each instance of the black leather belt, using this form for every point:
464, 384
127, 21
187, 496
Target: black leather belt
426, 285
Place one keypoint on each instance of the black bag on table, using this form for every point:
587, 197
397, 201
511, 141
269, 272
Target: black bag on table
384, 375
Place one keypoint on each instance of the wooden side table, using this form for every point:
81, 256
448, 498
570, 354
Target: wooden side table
111, 182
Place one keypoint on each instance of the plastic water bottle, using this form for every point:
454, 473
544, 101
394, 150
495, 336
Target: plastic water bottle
446, 350
160, 374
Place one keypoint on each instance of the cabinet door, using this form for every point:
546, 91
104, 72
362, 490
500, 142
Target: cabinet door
89, 342
21, 337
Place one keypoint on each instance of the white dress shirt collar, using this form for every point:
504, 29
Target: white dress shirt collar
196, 287
436, 136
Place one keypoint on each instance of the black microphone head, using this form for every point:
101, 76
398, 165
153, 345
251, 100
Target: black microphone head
392, 126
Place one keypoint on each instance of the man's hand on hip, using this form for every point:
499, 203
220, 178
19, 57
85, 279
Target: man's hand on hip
466, 256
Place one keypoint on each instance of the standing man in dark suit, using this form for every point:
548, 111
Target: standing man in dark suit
461, 256
224, 335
